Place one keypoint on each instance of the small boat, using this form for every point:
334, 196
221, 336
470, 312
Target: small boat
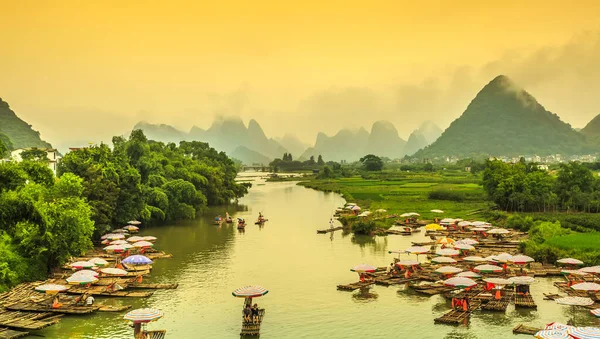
261, 221
218, 220
228, 218
241, 223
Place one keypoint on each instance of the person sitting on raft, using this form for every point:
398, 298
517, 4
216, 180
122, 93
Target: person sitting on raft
247, 313
56, 303
255, 313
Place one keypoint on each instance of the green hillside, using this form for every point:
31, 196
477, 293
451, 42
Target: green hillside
592, 130
18, 131
505, 120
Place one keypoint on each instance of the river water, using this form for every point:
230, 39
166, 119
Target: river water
301, 270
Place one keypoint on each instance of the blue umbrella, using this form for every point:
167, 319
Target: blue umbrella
137, 260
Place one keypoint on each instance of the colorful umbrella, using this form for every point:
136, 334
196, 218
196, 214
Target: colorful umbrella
487, 269
443, 260
118, 242
144, 315
105, 242
479, 229
134, 222
498, 281
121, 231
522, 280
250, 292
584, 332
591, 270
408, 263
569, 261
115, 236
498, 231
468, 274
460, 282
596, 312
574, 301
448, 270
131, 228
115, 248
135, 238
433, 227
51, 288
444, 241
502, 257
418, 250
586, 286
363, 268
114, 271
552, 334
86, 272
474, 259
437, 211
574, 272
81, 279
464, 247
143, 244
557, 326
98, 262
447, 251
149, 238
78, 265
520, 259
355, 208
137, 260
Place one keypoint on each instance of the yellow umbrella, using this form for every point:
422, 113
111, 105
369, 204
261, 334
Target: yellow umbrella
445, 241
434, 227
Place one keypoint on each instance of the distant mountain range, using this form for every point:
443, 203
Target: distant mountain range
15, 132
505, 120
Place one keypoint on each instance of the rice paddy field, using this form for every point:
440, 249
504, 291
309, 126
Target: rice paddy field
458, 194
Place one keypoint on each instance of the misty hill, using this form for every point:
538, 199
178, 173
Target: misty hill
592, 130
430, 131
415, 142
249, 157
346, 145
225, 134
505, 120
19, 132
292, 144
384, 141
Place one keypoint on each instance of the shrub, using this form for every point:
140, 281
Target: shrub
364, 226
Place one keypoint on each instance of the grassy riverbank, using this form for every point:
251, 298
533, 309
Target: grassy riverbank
458, 194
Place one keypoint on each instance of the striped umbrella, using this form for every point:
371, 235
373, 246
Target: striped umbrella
522, 280
131, 228
149, 238
574, 301
135, 238
418, 250
487, 269
557, 326
86, 272
474, 259
81, 279
115, 236
51, 288
143, 244
447, 251
118, 242
460, 282
468, 274
250, 292
144, 315
552, 334
502, 257
78, 265
586, 286
98, 262
448, 270
137, 260
464, 247
445, 241
596, 312
408, 263
569, 261
443, 260
363, 268
591, 270
584, 332
520, 259
114, 271
116, 248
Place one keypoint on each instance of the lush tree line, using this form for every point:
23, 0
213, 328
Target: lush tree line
46, 220
525, 188
287, 163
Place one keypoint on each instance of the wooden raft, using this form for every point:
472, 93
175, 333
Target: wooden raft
453, 317
355, 286
65, 309
496, 305
6, 333
524, 329
153, 286
388, 281
104, 293
251, 328
524, 301
330, 230
26, 320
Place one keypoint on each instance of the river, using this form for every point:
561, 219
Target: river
301, 270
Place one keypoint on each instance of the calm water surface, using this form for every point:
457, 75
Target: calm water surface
301, 270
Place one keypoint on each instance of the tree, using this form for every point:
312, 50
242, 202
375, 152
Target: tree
34, 154
5, 145
320, 161
428, 167
372, 162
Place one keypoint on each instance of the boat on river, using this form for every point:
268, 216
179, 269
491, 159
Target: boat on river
261, 221
252, 317
241, 223
228, 218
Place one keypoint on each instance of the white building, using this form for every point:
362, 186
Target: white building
51, 155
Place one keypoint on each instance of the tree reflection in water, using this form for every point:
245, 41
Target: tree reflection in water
365, 294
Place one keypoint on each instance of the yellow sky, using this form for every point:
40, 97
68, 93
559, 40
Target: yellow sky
68, 64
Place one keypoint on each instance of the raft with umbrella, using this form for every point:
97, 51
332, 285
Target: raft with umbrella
251, 328
459, 314
143, 316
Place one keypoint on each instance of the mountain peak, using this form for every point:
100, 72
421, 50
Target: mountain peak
592, 129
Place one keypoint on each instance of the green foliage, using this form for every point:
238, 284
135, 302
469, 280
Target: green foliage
372, 162
34, 154
364, 226
38, 172
12, 176
18, 132
286, 163
520, 222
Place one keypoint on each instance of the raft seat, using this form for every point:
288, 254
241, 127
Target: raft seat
156, 334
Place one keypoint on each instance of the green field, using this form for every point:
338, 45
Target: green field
401, 192
578, 241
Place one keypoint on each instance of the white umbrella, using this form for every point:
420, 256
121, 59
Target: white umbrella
468, 241
448, 270
498, 281
78, 265
149, 238
574, 272
355, 208
443, 260
474, 259
437, 211
591, 270
520, 259
414, 214
552, 334
479, 229
503, 257
114, 271
574, 301
363, 268
135, 238
468, 274
569, 261
464, 224
417, 250
404, 215
522, 280
586, 286
381, 210
118, 242
86, 272
498, 231
461, 282
407, 263
143, 244
447, 251
487, 269
463, 247
448, 220
584, 332
98, 262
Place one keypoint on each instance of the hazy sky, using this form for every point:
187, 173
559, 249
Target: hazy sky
85, 70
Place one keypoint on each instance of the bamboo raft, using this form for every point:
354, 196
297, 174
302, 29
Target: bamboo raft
330, 230
103, 292
524, 329
26, 320
524, 301
250, 328
355, 286
454, 317
389, 281
153, 286
65, 309
108, 308
6, 333
432, 289
496, 305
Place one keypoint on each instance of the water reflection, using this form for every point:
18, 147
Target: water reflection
365, 294
375, 244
